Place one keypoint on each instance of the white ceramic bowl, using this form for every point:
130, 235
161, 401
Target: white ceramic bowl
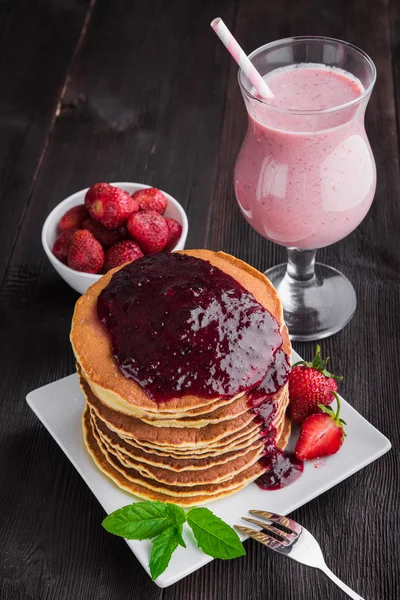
81, 281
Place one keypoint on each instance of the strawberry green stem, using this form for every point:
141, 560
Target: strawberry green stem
329, 411
319, 364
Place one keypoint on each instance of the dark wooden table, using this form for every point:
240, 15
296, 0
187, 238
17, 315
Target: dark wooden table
143, 91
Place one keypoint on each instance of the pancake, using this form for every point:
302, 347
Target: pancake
116, 405
155, 418
284, 433
218, 437
99, 367
167, 461
163, 436
202, 490
230, 446
214, 473
195, 477
250, 431
188, 450
222, 413
136, 489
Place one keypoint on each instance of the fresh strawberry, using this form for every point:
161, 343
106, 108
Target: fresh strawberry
85, 253
174, 233
310, 384
74, 217
151, 199
120, 253
62, 244
149, 229
96, 190
112, 207
321, 434
106, 237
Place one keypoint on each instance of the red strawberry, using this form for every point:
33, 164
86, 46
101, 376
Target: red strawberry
174, 233
149, 229
120, 253
85, 253
74, 217
112, 207
151, 199
321, 434
310, 384
96, 190
62, 244
106, 237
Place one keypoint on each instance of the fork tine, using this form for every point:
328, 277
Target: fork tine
255, 522
284, 537
263, 538
284, 534
285, 521
289, 537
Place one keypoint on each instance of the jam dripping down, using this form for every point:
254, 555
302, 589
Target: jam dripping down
281, 468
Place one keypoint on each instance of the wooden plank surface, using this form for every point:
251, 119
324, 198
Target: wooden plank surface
37, 43
135, 91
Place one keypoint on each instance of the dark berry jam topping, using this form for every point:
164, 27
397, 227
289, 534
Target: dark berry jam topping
180, 326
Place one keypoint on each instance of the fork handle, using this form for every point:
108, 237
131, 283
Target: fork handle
340, 584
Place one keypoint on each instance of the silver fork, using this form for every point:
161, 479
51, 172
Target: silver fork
292, 540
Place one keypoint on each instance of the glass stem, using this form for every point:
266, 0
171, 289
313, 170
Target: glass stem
301, 265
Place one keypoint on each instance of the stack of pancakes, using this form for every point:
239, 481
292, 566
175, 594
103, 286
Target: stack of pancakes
187, 450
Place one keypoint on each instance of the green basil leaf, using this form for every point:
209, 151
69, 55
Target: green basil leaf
215, 537
140, 521
163, 547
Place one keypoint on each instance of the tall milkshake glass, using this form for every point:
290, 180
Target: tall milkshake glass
305, 175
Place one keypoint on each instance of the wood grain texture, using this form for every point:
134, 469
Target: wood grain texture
37, 43
144, 91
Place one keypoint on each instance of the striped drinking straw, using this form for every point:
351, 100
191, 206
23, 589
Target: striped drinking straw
240, 57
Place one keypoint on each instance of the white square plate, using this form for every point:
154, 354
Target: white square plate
59, 406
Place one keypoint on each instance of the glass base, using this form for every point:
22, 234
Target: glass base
316, 308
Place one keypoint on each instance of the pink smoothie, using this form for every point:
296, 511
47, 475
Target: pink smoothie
306, 180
